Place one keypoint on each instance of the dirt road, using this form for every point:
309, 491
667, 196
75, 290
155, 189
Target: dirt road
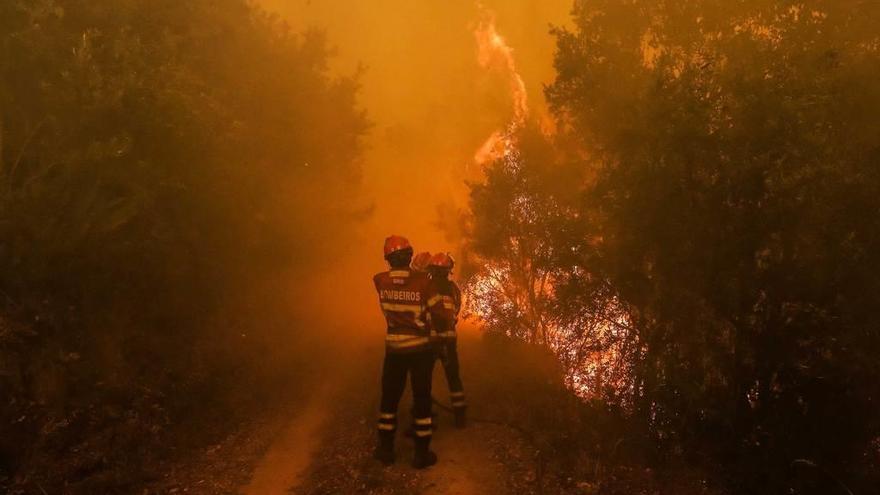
327, 447
290, 454
467, 465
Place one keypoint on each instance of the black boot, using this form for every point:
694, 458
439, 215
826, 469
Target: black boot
384, 452
423, 457
460, 416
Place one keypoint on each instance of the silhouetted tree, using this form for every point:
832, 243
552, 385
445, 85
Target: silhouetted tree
159, 161
729, 155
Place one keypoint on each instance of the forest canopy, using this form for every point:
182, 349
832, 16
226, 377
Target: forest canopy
166, 152
698, 241
163, 165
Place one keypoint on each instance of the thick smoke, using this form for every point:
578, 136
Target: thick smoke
433, 95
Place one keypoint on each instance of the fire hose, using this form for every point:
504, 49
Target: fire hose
520, 429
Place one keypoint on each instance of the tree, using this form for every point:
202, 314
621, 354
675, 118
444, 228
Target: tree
728, 150
161, 164
521, 258
141, 139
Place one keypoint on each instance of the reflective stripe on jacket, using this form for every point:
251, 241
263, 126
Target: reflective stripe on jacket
447, 300
404, 297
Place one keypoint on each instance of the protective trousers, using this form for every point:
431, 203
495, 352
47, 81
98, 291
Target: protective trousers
419, 365
447, 352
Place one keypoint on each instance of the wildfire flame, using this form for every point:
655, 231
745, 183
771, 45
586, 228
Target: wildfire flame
495, 54
590, 348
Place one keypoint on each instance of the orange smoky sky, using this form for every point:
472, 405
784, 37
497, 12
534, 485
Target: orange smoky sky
433, 98
430, 99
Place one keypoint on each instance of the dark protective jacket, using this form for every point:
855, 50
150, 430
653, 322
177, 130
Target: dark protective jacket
408, 301
447, 300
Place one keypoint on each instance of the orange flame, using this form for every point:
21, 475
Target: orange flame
495, 53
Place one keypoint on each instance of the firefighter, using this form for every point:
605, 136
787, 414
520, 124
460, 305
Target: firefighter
420, 264
449, 296
420, 261
404, 296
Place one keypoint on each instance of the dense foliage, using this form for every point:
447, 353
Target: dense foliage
162, 164
705, 223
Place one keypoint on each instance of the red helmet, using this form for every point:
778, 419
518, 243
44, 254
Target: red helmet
396, 243
420, 261
442, 260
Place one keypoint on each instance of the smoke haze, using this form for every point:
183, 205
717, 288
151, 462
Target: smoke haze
431, 101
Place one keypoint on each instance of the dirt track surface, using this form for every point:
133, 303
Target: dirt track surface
290, 453
326, 447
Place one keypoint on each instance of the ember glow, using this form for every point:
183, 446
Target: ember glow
593, 348
505, 293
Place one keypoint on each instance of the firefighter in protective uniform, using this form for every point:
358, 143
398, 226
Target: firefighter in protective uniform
420, 264
448, 295
407, 298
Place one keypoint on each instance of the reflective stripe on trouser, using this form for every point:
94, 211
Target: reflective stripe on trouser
457, 399
423, 427
387, 422
395, 368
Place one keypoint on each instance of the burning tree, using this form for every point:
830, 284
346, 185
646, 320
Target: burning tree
523, 247
704, 250
527, 269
